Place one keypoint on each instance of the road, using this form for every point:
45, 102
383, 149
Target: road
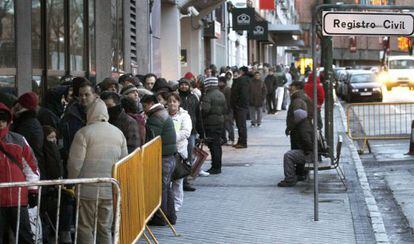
390, 170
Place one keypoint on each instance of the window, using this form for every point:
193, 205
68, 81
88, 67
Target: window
7, 35
117, 36
36, 34
92, 39
55, 37
77, 37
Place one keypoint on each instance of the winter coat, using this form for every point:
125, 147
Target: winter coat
159, 123
280, 79
73, 119
240, 92
47, 117
95, 149
25, 169
129, 128
227, 94
27, 125
303, 136
183, 127
213, 108
258, 93
52, 162
271, 84
308, 88
140, 119
299, 100
190, 103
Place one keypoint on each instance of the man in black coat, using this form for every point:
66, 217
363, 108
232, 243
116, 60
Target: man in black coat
302, 155
240, 103
271, 86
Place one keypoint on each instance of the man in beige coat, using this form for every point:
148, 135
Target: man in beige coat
95, 149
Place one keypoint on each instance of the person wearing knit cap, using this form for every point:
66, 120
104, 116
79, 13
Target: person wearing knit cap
27, 124
109, 84
213, 108
304, 151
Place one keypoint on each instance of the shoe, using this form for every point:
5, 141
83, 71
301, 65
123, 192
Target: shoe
203, 173
188, 187
156, 222
258, 125
302, 177
240, 146
230, 143
284, 183
214, 171
252, 125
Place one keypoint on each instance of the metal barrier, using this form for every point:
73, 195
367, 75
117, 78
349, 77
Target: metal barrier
379, 121
129, 173
60, 185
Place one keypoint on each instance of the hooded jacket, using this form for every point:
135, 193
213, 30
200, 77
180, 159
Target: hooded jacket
183, 126
213, 108
308, 88
95, 149
25, 169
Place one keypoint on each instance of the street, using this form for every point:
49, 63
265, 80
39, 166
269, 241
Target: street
390, 171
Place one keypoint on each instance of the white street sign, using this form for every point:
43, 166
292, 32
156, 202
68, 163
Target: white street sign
367, 23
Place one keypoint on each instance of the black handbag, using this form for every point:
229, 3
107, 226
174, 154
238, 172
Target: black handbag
182, 167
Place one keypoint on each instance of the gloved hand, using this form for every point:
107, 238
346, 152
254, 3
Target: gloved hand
32, 198
69, 190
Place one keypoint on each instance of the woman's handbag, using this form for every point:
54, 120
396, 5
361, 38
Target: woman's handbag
182, 167
199, 156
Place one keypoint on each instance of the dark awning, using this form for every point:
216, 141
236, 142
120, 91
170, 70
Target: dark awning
289, 29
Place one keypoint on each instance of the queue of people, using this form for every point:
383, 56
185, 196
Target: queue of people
80, 130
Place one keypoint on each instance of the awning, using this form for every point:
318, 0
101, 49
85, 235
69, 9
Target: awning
285, 40
289, 29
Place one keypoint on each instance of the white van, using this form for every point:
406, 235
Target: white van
400, 72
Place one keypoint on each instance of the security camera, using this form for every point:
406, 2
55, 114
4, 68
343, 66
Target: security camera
192, 11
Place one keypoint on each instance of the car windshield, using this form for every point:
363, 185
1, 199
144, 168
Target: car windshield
362, 78
401, 64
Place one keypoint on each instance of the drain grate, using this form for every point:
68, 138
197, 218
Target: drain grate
237, 164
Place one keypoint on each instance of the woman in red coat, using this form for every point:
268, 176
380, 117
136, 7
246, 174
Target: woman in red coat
308, 88
17, 164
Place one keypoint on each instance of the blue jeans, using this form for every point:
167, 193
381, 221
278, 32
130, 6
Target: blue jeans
167, 202
190, 147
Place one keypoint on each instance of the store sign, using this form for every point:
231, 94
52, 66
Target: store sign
354, 23
213, 30
217, 29
242, 18
259, 31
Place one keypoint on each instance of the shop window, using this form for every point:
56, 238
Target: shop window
8, 84
92, 39
77, 37
7, 35
36, 34
55, 37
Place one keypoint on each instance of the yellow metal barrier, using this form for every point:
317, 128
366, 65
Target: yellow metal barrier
152, 157
379, 121
129, 173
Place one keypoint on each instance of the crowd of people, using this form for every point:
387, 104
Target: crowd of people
80, 130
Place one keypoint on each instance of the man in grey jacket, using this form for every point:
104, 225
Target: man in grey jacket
95, 149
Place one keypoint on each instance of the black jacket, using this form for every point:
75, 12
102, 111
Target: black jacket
52, 165
128, 126
240, 92
190, 103
303, 135
213, 108
27, 125
271, 84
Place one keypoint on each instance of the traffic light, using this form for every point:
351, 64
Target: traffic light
403, 43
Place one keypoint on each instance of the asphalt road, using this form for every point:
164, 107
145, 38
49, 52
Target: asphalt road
389, 169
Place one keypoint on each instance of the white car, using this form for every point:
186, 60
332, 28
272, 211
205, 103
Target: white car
399, 71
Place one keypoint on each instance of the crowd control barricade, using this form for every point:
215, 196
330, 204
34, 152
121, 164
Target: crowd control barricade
379, 121
60, 185
129, 173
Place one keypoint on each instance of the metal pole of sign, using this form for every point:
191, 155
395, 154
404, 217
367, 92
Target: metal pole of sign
315, 124
316, 11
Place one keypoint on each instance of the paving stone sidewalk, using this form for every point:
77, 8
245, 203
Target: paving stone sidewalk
244, 205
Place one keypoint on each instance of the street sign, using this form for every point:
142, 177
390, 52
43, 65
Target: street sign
259, 31
242, 18
367, 23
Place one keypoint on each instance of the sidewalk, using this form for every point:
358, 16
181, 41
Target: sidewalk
244, 205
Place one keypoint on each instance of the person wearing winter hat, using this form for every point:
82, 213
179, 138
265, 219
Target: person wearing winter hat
18, 164
213, 108
130, 91
304, 133
109, 84
27, 124
131, 108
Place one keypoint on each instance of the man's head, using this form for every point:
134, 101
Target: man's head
28, 101
222, 81
86, 94
295, 86
210, 83
243, 70
5, 116
257, 76
109, 84
207, 72
111, 99
131, 91
76, 84
123, 79
148, 101
150, 81
184, 85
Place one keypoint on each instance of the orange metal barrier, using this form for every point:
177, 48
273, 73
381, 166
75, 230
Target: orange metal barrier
152, 157
129, 173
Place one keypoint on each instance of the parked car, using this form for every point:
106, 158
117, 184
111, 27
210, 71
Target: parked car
361, 85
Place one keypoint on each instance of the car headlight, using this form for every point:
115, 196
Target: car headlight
354, 90
384, 77
376, 89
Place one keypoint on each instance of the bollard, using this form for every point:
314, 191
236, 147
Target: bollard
411, 151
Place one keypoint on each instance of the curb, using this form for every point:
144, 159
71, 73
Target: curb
374, 213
